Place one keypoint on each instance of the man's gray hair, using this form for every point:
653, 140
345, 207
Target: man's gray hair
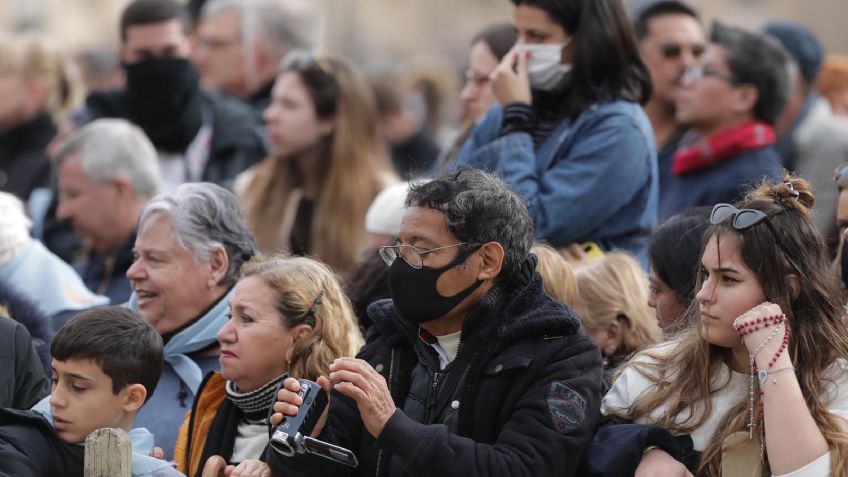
479, 207
204, 217
283, 24
114, 148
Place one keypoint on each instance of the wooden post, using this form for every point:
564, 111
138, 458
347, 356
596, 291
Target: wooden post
108, 453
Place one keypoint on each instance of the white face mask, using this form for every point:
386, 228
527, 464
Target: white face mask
544, 67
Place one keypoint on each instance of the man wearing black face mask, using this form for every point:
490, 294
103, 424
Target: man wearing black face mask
199, 135
470, 368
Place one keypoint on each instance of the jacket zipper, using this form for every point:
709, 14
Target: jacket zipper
431, 398
391, 368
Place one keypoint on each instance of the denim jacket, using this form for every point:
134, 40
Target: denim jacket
593, 179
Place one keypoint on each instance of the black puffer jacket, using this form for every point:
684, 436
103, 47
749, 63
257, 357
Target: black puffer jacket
22, 379
29, 446
528, 404
35, 320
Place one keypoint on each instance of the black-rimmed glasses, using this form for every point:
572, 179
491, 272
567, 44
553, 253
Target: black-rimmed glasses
411, 255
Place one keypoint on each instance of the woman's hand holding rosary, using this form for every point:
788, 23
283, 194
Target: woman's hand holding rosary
765, 332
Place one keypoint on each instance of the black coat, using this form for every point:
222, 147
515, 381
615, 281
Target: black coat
22, 379
29, 446
37, 323
24, 165
529, 401
236, 141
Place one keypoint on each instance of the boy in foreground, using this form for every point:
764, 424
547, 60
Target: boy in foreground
106, 364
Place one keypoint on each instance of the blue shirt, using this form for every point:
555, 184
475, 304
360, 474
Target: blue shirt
726, 182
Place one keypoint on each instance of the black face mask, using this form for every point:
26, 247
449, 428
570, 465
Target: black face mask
414, 292
163, 98
844, 263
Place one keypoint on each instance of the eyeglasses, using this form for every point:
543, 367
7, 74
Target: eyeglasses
695, 74
745, 219
673, 51
411, 255
477, 79
840, 176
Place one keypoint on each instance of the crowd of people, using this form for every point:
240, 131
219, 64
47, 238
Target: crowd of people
630, 258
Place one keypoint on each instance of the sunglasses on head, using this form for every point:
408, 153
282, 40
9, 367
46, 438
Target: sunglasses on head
745, 219
742, 218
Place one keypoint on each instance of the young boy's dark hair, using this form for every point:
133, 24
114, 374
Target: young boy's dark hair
125, 346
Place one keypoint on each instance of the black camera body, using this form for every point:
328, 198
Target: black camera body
293, 435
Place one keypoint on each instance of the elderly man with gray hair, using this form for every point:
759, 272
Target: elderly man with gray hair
107, 171
240, 44
190, 246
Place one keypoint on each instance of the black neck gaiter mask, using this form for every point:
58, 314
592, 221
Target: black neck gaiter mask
414, 292
163, 98
843, 265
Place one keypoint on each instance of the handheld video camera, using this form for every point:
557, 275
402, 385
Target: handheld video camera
292, 436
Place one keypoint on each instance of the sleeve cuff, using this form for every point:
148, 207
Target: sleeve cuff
819, 467
517, 117
404, 437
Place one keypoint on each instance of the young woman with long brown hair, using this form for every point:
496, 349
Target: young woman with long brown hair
759, 386
311, 196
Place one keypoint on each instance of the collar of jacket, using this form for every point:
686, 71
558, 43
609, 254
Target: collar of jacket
521, 309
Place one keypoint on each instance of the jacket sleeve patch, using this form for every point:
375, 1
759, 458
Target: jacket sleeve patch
566, 407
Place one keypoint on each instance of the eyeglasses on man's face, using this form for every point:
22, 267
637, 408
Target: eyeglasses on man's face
411, 255
695, 74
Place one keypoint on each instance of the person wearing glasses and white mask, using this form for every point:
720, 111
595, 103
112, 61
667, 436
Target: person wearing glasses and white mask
471, 368
671, 39
731, 99
488, 47
571, 127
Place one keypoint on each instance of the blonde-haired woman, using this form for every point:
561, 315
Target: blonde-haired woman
38, 86
310, 197
557, 274
612, 301
289, 317
760, 385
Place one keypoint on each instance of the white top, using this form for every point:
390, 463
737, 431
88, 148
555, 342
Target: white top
251, 440
450, 344
631, 385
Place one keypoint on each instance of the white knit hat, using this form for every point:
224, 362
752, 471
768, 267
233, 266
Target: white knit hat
14, 227
386, 212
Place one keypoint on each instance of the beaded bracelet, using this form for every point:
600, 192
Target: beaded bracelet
758, 324
750, 312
